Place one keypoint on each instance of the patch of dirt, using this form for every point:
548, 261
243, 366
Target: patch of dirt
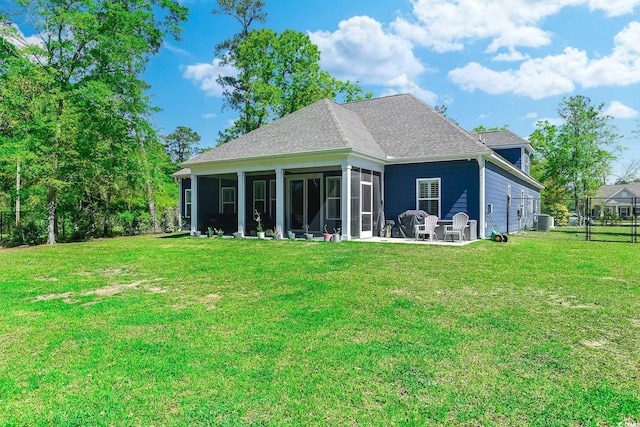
635, 323
570, 302
104, 292
594, 344
66, 297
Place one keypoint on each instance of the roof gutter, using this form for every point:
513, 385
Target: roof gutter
430, 159
504, 165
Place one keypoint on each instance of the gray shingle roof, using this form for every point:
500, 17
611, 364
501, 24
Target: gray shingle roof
406, 127
322, 126
182, 173
398, 126
496, 139
608, 191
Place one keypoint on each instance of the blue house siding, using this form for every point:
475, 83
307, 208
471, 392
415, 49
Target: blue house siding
497, 182
513, 155
459, 187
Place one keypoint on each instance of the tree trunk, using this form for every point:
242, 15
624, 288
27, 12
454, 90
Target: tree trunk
18, 195
51, 205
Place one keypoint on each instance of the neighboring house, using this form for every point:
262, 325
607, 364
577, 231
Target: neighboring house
622, 200
350, 166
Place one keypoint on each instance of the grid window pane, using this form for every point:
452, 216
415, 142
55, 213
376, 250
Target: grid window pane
428, 198
333, 209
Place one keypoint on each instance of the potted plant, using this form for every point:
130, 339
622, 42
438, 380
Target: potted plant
291, 235
209, 232
237, 235
336, 234
259, 229
327, 236
269, 233
307, 235
219, 232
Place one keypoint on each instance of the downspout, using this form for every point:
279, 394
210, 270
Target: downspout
482, 219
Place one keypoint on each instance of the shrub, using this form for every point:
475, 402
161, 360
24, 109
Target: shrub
559, 212
28, 233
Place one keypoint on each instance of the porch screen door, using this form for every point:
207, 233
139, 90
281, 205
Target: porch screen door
304, 204
366, 209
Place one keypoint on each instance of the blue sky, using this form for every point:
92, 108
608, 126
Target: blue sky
492, 62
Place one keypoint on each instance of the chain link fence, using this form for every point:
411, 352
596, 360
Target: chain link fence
590, 219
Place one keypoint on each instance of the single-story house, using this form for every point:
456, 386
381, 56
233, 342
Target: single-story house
352, 165
622, 200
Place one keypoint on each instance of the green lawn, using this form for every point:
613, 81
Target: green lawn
150, 331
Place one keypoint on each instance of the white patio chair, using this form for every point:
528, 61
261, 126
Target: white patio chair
460, 222
429, 227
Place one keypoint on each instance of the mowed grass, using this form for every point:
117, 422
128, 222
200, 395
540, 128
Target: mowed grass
195, 332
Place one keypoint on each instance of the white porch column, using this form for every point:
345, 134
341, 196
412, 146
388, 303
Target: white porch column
482, 219
241, 201
194, 204
180, 201
346, 202
280, 200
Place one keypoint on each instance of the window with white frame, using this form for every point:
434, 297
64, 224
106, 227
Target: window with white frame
530, 203
187, 203
428, 195
260, 196
526, 161
334, 194
272, 198
509, 195
228, 200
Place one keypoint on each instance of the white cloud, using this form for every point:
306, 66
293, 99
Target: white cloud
618, 110
614, 7
15, 36
484, 116
361, 50
446, 25
176, 49
558, 74
402, 84
530, 116
512, 56
208, 116
207, 74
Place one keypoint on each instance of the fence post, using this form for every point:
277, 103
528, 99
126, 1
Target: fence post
587, 223
634, 220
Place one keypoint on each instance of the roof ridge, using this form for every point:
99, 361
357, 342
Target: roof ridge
442, 118
337, 123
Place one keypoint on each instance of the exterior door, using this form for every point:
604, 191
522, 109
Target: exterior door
304, 203
366, 210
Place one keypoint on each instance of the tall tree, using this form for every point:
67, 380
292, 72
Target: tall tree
483, 128
575, 157
180, 143
630, 172
283, 75
84, 41
236, 92
443, 109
